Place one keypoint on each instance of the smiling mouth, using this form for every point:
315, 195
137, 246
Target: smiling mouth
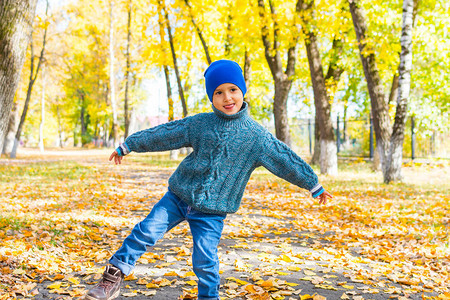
229, 106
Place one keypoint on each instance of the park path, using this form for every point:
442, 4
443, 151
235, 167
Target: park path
261, 251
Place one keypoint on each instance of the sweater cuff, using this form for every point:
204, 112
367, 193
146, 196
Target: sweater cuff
123, 149
317, 190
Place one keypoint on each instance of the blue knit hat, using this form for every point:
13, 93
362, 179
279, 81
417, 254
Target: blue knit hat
223, 71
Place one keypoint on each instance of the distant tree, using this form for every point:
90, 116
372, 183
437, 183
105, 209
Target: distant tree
16, 19
127, 70
389, 145
162, 6
34, 72
282, 77
328, 150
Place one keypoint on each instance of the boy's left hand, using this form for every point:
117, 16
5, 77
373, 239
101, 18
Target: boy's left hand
324, 197
117, 158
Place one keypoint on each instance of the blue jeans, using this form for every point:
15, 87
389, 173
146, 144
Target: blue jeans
206, 231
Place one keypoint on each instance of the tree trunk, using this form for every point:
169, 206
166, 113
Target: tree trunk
111, 72
41, 125
395, 80
247, 74
394, 159
127, 71
32, 80
174, 58
282, 88
328, 151
282, 79
169, 93
378, 102
394, 89
60, 130
199, 32
173, 153
228, 36
16, 19
315, 159
11, 130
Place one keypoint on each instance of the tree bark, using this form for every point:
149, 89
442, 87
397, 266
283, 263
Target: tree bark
394, 159
11, 130
282, 79
32, 79
41, 125
111, 73
328, 151
199, 32
127, 71
174, 58
380, 113
60, 130
247, 74
16, 19
315, 159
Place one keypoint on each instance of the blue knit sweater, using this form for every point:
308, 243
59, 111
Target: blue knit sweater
226, 150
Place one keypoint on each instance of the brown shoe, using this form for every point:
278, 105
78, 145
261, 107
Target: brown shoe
109, 287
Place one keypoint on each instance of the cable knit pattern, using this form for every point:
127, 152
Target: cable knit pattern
226, 150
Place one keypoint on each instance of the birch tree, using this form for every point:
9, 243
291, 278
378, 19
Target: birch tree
388, 145
112, 86
395, 154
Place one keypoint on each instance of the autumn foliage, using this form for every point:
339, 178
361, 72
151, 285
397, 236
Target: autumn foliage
63, 215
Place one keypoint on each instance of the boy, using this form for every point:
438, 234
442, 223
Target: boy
209, 183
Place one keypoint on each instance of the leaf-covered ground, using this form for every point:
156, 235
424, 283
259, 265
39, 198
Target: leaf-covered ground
64, 213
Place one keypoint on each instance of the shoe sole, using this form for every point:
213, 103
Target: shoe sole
87, 297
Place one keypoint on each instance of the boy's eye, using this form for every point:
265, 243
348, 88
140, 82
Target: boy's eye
218, 92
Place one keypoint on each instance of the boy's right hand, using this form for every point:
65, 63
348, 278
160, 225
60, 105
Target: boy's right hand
117, 158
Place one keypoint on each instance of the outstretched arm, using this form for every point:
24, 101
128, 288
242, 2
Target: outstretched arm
283, 162
168, 136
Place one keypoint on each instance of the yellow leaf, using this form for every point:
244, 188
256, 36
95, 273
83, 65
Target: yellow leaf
162, 282
347, 286
291, 284
190, 273
142, 281
282, 273
130, 277
318, 297
74, 280
55, 285
191, 282
172, 273
241, 282
58, 277
151, 285
286, 258
305, 297
325, 287
309, 273
268, 283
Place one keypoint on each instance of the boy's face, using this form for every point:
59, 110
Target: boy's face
228, 98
